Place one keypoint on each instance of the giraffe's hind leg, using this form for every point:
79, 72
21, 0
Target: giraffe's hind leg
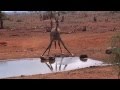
60, 46
65, 46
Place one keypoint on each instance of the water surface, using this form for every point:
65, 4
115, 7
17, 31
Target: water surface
32, 66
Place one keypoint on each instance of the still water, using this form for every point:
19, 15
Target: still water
32, 66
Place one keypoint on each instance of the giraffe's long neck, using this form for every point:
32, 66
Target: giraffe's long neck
56, 28
57, 25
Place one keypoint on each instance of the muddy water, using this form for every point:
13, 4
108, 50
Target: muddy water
32, 66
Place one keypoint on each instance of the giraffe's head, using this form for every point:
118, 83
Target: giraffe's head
51, 60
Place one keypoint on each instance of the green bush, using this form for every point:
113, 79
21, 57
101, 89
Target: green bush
115, 56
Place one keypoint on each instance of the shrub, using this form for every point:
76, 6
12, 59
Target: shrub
115, 56
19, 20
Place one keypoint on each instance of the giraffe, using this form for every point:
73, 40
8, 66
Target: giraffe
55, 37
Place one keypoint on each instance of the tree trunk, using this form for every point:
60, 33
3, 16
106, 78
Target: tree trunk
1, 23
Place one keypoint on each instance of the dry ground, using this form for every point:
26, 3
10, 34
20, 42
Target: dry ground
28, 39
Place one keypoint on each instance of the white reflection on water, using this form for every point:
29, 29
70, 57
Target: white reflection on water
32, 66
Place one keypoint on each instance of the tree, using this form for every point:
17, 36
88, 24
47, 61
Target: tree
1, 20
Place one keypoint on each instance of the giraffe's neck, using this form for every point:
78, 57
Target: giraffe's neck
56, 28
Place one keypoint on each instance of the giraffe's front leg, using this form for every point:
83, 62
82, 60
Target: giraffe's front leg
49, 46
49, 50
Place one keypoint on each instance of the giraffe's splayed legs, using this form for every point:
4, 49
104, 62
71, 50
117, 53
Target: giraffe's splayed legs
49, 46
65, 47
59, 41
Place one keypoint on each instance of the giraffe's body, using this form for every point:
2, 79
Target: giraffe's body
55, 34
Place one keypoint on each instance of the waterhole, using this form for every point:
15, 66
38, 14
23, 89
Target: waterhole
32, 66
